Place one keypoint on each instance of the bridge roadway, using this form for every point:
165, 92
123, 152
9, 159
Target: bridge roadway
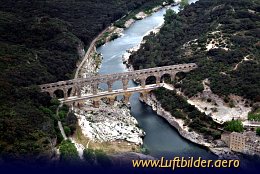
126, 93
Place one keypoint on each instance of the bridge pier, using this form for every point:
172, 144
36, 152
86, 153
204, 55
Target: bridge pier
96, 103
78, 91
95, 88
125, 84
51, 94
127, 96
143, 83
158, 80
110, 84
65, 92
111, 100
173, 76
144, 95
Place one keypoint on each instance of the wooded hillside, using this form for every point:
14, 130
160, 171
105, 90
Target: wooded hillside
39, 43
221, 36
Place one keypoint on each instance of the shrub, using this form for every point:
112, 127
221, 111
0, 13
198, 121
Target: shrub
89, 156
67, 130
258, 131
254, 116
68, 151
234, 126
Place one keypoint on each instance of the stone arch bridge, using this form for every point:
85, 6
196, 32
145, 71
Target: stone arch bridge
72, 89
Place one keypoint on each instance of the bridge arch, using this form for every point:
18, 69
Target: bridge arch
150, 80
166, 78
48, 93
70, 92
116, 84
104, 86
180, 75
58, 93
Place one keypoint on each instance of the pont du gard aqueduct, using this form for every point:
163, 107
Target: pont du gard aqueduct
72, 89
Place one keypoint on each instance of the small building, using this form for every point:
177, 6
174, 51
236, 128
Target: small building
247, 142
237, 142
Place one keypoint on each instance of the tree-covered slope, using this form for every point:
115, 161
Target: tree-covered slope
221, 36
39, 43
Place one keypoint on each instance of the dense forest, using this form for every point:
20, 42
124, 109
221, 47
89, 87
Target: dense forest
40, 42
221, 36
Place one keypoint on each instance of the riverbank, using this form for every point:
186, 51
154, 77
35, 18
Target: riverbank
116, 29
215, 147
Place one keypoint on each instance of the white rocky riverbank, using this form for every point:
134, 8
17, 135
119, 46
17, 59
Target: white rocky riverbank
109, 123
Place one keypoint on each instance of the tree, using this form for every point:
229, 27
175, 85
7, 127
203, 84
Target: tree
171, 1
254, 116
67, 130
234, 126
183, 3
168, 17
89, 156
68, 151
258, 131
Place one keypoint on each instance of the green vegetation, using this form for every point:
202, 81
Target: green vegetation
258, 131
96, 156
146, 8
233, 28
239, 27
39, 43
144, 150
193, 118
68, 120
254, 116
234, 126
89, 156
183, 3
68, 151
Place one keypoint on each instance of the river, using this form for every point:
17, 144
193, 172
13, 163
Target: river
161, 138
